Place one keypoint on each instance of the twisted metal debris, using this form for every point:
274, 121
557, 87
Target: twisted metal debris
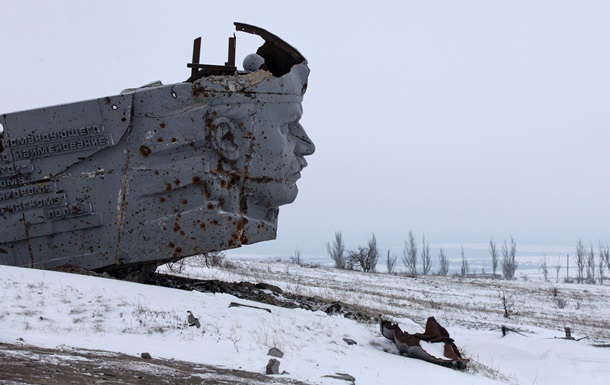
410, 344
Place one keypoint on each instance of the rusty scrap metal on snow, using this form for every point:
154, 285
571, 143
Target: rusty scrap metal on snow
410, 345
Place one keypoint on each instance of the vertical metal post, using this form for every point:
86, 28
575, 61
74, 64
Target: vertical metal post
231, 58
196, 55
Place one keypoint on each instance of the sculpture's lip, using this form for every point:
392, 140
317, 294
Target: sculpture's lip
294, 177
297, 175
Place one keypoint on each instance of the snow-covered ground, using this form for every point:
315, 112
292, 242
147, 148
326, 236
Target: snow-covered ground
52, 309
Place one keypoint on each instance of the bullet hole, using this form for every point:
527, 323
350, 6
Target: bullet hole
145, 151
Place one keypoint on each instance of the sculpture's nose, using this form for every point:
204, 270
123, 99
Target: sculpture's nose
304, 145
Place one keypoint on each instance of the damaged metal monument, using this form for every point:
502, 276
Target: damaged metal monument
127, 182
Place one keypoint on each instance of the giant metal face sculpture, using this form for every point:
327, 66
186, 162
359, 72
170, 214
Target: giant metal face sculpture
157, 173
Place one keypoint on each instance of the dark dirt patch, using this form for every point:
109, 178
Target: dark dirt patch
23, 364
264, 293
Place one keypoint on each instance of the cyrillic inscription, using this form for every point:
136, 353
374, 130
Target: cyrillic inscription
14, 181
34, 203
38, 189
19, 167
54, 136
73, 210
64, 147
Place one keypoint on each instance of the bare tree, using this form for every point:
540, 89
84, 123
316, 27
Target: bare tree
409, 255
493, 251
337, 251
601, 265
296, 257
373, 255
464, 266
426, 258
177, 266
557, 268
390, 262
544, 268
591, 266
358, 257
509, 262
507, 303
366, 257
214, 258
209, 260
349, 263
581, 255
604, 256
444, 263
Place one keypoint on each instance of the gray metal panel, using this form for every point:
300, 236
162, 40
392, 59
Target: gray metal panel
46, 189
176, 185
157, 173
66, 133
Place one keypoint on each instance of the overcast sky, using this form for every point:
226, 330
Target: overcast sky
460, 120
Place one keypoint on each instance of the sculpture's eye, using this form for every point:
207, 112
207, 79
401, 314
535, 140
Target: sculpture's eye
295, 128
284, 128
294, 125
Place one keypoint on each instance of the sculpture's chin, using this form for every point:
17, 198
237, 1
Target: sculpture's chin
270, 194
288, 193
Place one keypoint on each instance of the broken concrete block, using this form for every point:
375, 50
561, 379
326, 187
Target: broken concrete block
273, 366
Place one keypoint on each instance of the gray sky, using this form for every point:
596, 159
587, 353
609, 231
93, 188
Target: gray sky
463, 120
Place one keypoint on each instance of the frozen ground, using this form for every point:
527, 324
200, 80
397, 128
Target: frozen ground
64, 311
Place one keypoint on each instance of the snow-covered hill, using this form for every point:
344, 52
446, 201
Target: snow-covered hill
52, 309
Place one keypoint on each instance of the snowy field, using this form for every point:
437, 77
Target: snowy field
60, 310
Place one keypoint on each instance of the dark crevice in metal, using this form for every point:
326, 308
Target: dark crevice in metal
279, 56
123, 191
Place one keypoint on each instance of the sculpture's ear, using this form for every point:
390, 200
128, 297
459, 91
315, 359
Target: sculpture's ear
224, 138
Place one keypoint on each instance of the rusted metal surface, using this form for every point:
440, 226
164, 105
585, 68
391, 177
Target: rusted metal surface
410, 344
232, 46
199, 70
196, 55
157, 173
